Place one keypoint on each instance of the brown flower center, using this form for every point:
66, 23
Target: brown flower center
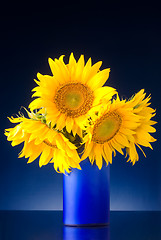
74, 99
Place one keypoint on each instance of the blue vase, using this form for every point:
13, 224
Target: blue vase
84, 233
86, 196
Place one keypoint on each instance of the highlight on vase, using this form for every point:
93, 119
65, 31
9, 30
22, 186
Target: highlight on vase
73, 109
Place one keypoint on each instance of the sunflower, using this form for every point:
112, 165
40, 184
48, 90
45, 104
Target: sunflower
110, 129
73, 90
142, 136
41, 140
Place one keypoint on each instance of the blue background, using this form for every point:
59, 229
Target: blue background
128, 40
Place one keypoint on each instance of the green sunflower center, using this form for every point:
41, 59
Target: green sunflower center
74, 99
106, 127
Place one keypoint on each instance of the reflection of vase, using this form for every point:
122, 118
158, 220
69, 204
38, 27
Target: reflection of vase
80, 233
86, 196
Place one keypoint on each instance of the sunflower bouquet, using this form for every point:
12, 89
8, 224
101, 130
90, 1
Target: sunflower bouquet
73, 110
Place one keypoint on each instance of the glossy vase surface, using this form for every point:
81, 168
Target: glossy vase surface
86, 196
84, 233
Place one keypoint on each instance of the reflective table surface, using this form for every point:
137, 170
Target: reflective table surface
48, 225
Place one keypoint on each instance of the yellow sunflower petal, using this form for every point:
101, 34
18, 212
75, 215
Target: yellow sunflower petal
69, 124
108, 153
90, 71
99, 79
103, 92
98, 156
44, 158
79, 68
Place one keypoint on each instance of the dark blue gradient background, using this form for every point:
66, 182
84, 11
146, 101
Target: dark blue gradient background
128, 40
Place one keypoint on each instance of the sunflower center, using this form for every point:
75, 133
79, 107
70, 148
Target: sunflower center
74, 99
106, 127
